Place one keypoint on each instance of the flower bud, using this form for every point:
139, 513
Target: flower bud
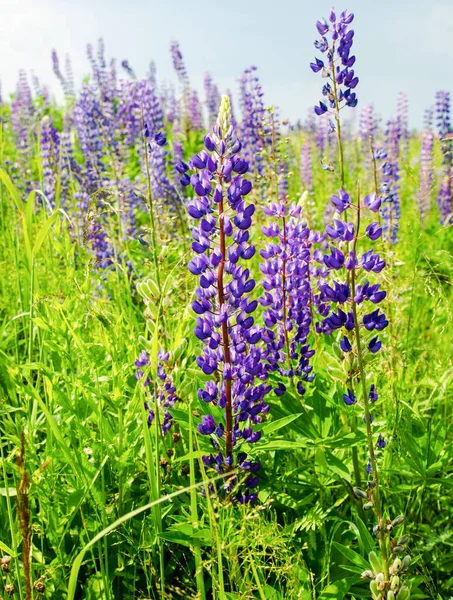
368, 505
397, 565
380, 581
368, 575
390, 595
398, 550
403, 540
40, 587
406, 562
394, 583
404, 593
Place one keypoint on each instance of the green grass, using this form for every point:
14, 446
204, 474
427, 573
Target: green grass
116, 509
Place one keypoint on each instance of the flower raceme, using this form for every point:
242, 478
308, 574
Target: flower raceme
335, 42
287, 295
224, 309
347, 291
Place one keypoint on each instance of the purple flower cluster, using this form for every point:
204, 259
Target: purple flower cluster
338, 66
287, 295
340, 298
426, 173
165, 396
444, 198
306, 166
224, 308
389, 188
251, 101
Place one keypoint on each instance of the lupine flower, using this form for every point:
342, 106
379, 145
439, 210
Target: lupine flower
345, 299
337, 67
444, 198
162, 392
426, 173
212, 98
251, 97
368, 124
306, 166
287, 295
389, 188
225, 322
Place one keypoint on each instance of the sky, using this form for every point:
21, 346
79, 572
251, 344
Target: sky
400, 45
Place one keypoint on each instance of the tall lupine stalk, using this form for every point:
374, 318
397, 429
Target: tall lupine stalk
50, 159
337, 70
306, 173
368, 125
445, 195
253, 112
67, 80
390, 186
426, 173
225, 322
212, 98
350, 290
402, 109
183, 77
287, 296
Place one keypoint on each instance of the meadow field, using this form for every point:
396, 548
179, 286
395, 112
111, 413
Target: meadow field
226, 339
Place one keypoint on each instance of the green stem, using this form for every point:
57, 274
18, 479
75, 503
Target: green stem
366, 404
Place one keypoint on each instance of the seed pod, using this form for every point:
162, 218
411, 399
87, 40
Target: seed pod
9, 589
40, 587
368, 575
163, 462
5, 567
170, 452
185, 470
371, 484
390, 595
375, 562
398, 549
358, 493
368, 505
403, 594
406, 561
398, 521
403, 540
380, 581
395, 583
175, 437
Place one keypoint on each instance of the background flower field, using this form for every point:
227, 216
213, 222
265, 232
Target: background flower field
226, 340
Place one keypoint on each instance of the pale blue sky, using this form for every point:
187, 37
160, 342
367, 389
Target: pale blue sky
400, 44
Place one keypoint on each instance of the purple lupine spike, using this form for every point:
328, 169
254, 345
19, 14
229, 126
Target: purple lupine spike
212, 98
336, 42
389, 188
252, 105
444, 198
287, 295
152, 74
306, 166
426, 173
195, 112
225, 322
368, 124
69, 89
178, 63
50, 158
128, 69
402, 108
